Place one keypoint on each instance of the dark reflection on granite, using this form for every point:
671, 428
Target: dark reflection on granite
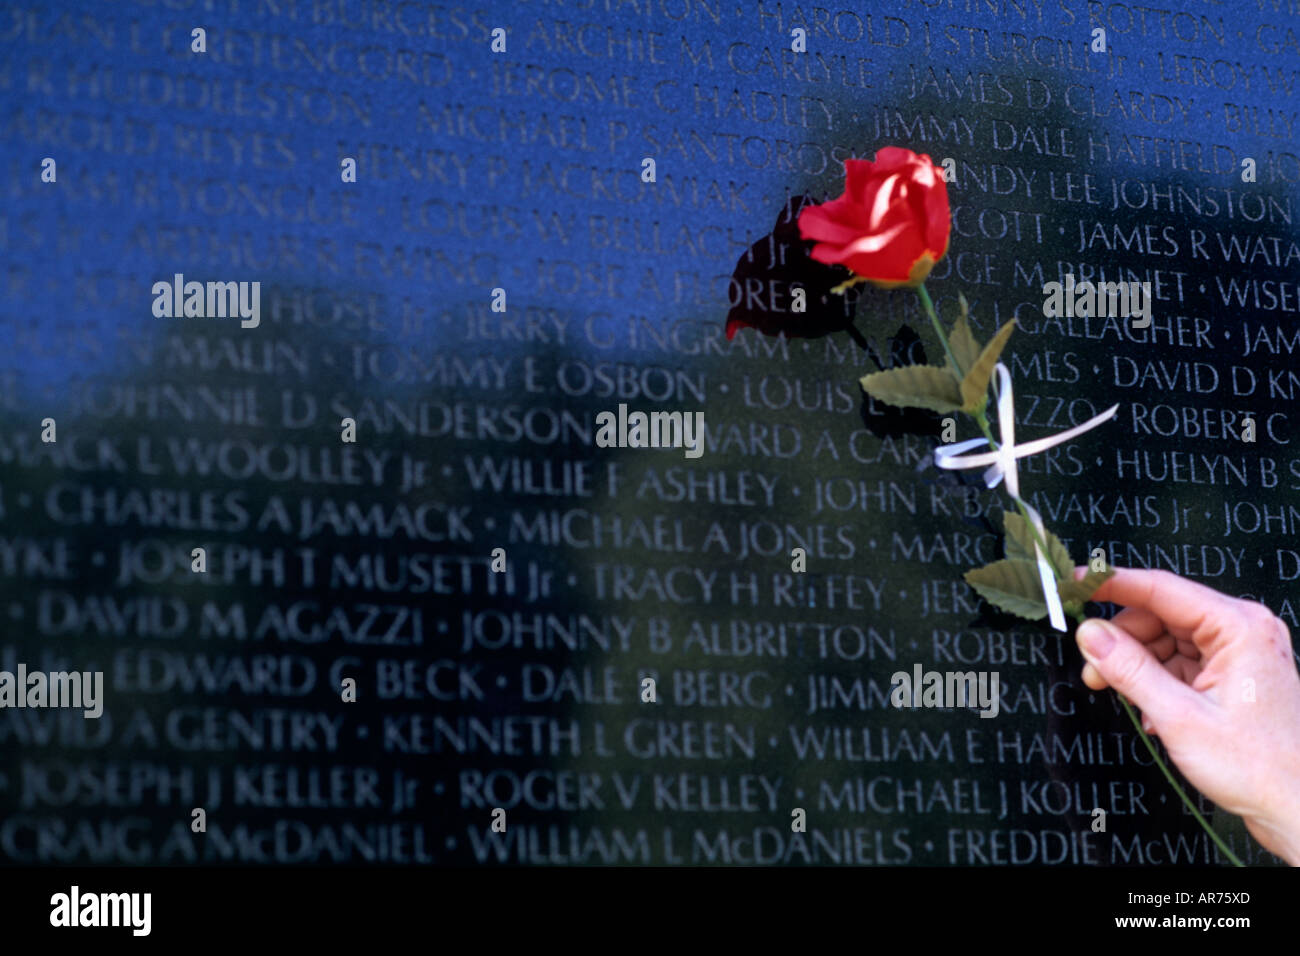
762, 286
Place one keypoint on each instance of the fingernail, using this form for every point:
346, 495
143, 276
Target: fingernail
1095, 639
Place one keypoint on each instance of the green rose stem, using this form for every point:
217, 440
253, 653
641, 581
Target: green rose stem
1170, 777
1064, 573
934, 320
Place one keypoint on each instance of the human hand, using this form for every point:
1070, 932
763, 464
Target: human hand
1185, 654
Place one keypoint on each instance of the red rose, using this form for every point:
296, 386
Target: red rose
892, 223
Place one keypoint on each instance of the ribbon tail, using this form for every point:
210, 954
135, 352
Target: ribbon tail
1055, 612
1008, 453
1046, 573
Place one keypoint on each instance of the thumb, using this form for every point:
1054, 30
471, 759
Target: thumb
1131, 669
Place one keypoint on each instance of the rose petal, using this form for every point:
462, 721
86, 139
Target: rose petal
858, 176
893, 262
819, 223
875, 243
835, 233
890, 263
884, 196
891, 158
915, 275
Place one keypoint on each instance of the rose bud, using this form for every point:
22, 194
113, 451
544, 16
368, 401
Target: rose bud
892, 223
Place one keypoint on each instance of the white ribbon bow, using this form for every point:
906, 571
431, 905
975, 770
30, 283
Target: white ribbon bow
1002, 464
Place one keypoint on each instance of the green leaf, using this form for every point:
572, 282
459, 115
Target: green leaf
919, 386
1020, 543
1012, 585
975, 386
965, 347
1081, 591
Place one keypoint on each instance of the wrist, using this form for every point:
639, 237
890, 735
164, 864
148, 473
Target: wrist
1281, 821
1281, 841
